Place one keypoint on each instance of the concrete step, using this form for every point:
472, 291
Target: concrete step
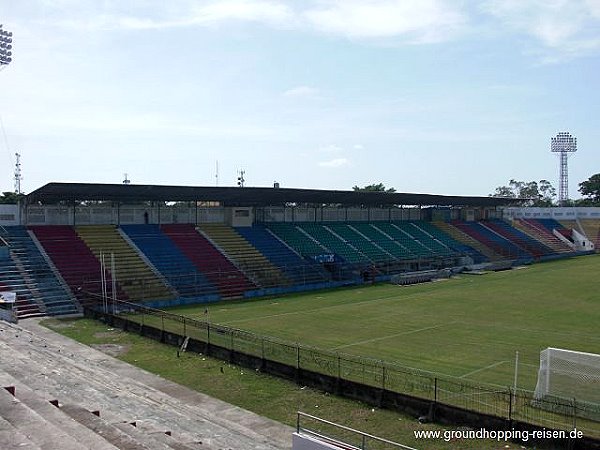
155, 436
11, 438
78, 375
37, 402
33, 426
99, 426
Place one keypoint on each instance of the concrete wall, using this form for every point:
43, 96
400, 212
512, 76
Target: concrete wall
132, 214
120, 214
9, 215
335, 214
8, 315
239, 216
234, 216
551, 213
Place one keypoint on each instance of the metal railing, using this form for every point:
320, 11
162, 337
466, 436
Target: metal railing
334, 433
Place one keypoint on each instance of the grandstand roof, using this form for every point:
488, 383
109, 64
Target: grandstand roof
247, 196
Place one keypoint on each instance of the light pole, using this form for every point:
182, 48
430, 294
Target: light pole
5, 47
564, 144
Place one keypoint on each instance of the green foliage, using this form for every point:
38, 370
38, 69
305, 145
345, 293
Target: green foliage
591, 189
534, 193
10, 198
379, 187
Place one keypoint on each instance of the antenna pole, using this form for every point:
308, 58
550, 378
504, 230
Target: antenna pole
241, 180
18, 176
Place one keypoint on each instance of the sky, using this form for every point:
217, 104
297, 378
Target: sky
427, 96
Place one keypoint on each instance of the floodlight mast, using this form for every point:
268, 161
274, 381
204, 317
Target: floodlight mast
563, 144
5, 47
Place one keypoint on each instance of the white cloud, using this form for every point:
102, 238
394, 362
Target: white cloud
417, 20
108, 16
267, 11
564, 28
301, 92
334, 163
358, 147
87, 121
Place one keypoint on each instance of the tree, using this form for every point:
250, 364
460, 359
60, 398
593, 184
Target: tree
540, 193
503, 191
379, 187
591, 189
10, 198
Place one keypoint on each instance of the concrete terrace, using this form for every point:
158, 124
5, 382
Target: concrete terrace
44, 366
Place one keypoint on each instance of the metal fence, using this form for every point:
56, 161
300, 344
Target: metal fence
489, 400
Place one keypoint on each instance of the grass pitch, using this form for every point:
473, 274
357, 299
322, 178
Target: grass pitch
468, 327
266, 395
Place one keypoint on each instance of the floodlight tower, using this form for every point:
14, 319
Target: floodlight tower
5, 47
564, 144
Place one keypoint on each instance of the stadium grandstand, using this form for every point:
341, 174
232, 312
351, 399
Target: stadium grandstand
170, 245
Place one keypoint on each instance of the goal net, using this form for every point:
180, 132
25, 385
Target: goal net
569, 374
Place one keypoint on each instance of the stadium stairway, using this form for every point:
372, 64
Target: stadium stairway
298, 240
297, 269
401, 233
468, 240
39, 279
543, 232
454, 245
383, 240
228, 279
352, 234
518, 238
246, 257
591, 228
74, 260
418, 231
10, 280
334, 243
138, 280
171, 262
572, 225
493, 240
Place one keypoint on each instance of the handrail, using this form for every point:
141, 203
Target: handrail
342, 427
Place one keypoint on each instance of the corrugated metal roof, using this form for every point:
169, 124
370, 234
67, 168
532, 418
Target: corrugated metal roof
53, 193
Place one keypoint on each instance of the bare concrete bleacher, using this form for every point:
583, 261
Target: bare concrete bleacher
56, 393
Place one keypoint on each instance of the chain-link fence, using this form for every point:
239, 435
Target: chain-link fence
488, 400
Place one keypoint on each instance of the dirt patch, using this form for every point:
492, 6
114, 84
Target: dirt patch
107, 334
112, 349
59, 324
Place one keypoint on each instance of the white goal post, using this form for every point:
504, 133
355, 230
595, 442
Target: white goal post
569, 374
